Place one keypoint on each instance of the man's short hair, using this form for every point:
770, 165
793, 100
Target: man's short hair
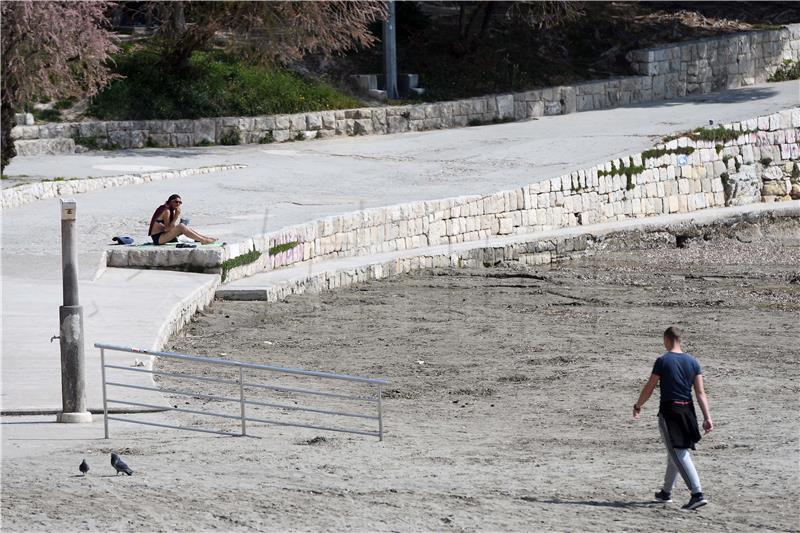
673, 334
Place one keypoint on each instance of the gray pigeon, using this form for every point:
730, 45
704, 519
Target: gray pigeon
119, 465
84, 467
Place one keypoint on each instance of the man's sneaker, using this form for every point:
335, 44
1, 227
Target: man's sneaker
698, 500
663, 497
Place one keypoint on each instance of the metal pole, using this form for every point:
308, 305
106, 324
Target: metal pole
380, 413
73, 381
390, 52
241, 400
105, 404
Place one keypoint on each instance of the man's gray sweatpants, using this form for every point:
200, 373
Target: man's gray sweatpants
678, 462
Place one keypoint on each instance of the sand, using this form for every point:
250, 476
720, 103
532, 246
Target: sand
509, 406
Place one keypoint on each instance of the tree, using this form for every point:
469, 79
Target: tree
266, 31
50, 50
474, 18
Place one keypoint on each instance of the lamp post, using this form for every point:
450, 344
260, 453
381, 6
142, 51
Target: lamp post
70, 315
390, 52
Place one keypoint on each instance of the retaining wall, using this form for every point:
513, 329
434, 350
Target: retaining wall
666, 72
761, 162
540, 249
697, 67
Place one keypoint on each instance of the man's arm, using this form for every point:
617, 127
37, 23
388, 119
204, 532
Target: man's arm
700, 392
648, 389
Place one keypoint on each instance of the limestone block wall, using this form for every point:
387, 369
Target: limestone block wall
539, 249
761, 160
667, 72
698, 67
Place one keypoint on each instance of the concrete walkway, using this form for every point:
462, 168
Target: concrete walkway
125, 307
282, 185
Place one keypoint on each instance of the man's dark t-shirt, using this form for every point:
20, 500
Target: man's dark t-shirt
677, 372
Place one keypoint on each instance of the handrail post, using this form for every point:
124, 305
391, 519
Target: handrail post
380, 413
105, 404
241, 399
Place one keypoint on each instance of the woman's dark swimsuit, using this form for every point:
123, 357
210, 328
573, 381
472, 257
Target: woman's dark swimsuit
153, 220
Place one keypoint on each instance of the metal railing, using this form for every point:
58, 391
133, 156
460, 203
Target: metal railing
242, 399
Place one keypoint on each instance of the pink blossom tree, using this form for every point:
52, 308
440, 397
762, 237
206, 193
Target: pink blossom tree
50, 50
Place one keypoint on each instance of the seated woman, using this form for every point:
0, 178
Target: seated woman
165, 226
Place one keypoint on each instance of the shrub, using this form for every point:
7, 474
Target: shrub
789, 70
213, 84
655, 152
88, 142
46, 115
240, 260
231, 136
715, 134
279, 248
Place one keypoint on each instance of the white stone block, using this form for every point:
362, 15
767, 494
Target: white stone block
543, 200
672, 204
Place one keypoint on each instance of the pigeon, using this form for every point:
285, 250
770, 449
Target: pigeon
84, 467
119, 465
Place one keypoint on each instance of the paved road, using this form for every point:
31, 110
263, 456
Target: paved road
287, 184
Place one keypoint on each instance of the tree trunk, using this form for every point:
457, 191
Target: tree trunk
6, 142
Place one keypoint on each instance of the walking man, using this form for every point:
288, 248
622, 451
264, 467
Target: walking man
676, 372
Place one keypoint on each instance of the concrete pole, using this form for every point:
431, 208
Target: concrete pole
390, 52
70, 318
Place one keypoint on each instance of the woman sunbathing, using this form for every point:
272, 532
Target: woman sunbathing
165, 225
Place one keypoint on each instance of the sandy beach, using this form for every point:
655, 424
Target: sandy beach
509, 406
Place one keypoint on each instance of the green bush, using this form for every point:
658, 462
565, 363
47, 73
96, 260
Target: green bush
715, 134
240, 260
231, 136
279, 248
790, 70
47, 115
213, 84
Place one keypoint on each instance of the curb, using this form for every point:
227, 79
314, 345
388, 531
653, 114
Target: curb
43, 190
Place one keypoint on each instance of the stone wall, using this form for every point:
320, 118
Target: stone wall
698, 67
667, 72
539, 249
761, 160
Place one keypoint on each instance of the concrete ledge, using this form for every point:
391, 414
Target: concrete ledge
24, 194
204, 260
